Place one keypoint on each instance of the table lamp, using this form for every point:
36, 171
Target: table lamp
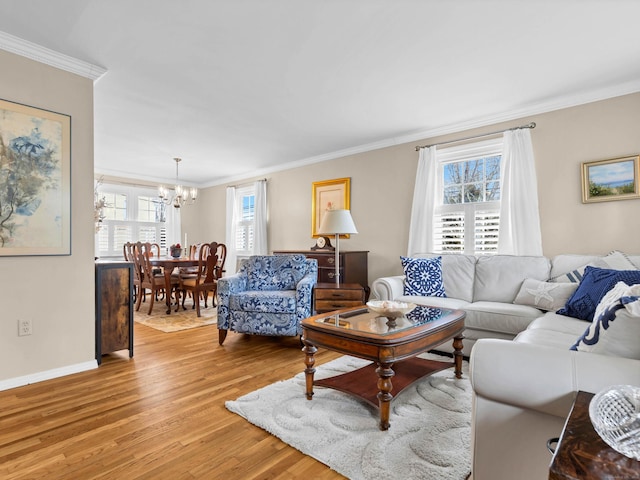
337, 222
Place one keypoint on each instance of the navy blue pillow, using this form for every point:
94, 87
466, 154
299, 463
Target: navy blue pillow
423, 276
595, 283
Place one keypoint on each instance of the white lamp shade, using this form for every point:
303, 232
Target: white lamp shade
337, 222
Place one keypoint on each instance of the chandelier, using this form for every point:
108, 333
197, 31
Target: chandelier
182, 195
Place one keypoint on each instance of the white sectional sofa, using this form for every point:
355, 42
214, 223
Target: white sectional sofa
484, 287
523, 372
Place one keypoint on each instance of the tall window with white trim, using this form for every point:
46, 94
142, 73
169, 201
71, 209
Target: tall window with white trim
132, 214
245, 215
467, 214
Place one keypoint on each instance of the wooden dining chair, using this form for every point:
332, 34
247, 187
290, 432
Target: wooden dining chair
130, 256
221, 252
205, 280
153, 281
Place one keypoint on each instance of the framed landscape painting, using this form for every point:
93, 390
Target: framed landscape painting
328, 195
614, 179
35, 181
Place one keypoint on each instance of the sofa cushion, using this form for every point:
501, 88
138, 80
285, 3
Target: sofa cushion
498, 277
615, 260
547, 338
615, 329
458, 273
558, 323
423, 276
440, 302
544, 295
567, 262
500, 317
594, 285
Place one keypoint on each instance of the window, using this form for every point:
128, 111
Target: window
467, 213
245, 203
131, 214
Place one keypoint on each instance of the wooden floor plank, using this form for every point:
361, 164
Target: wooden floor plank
159, 415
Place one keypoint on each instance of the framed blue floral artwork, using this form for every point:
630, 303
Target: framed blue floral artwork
35, 181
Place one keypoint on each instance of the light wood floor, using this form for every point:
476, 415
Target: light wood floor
160, 415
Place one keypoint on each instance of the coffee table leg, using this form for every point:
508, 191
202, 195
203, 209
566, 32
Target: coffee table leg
385, 373
309, 360
457, 355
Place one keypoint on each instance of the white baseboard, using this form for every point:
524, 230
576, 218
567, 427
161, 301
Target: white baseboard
47, 375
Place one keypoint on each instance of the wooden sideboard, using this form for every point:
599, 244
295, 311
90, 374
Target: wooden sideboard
114, 308
353, 266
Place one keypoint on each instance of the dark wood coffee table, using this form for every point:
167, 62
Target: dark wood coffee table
365, 334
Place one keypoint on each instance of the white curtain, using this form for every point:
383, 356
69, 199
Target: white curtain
519, 215
230, 231
424, 202
260, 219
173, 225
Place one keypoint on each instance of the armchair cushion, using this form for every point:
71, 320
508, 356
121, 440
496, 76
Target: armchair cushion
278, 272
276, 301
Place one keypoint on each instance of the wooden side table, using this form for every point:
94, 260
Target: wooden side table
582, 455
329, 296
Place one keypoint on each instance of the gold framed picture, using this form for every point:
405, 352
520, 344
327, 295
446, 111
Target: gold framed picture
35, 181
328, 195
613, 179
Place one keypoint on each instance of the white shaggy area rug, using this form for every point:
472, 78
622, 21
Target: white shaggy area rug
429, 436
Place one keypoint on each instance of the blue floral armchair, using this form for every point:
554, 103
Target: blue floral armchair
270, 295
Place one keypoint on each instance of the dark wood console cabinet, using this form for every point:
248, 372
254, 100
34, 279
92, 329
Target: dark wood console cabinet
353, 266
114, 308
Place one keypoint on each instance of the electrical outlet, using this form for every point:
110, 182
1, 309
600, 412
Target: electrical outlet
24, 327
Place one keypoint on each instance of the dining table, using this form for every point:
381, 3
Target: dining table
168, 264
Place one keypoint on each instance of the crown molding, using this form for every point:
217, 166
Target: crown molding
50, 57
557, 103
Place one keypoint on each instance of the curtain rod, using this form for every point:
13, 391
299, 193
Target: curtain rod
247, 183
528, 125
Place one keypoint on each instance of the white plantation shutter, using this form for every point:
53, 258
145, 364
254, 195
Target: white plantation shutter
132, 216
449, 232
486, 225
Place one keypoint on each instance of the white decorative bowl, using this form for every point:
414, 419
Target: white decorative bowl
390, 309
615, 415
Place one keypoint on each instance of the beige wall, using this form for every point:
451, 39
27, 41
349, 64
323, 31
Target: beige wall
382, 184
55, 292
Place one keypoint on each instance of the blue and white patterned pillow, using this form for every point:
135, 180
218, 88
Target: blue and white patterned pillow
593, 287
615, 329
423, 276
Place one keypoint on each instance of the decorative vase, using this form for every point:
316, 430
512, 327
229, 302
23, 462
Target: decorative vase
176, 252
615, 414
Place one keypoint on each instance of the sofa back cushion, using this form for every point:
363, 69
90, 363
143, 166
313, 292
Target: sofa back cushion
458, 273
274, 272
499, 277
571, 265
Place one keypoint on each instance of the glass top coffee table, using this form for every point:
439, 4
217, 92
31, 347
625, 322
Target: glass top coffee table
387, 343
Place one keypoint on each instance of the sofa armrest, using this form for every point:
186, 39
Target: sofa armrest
388, 288
543, 378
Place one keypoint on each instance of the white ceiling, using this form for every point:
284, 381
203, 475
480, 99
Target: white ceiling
239, 88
